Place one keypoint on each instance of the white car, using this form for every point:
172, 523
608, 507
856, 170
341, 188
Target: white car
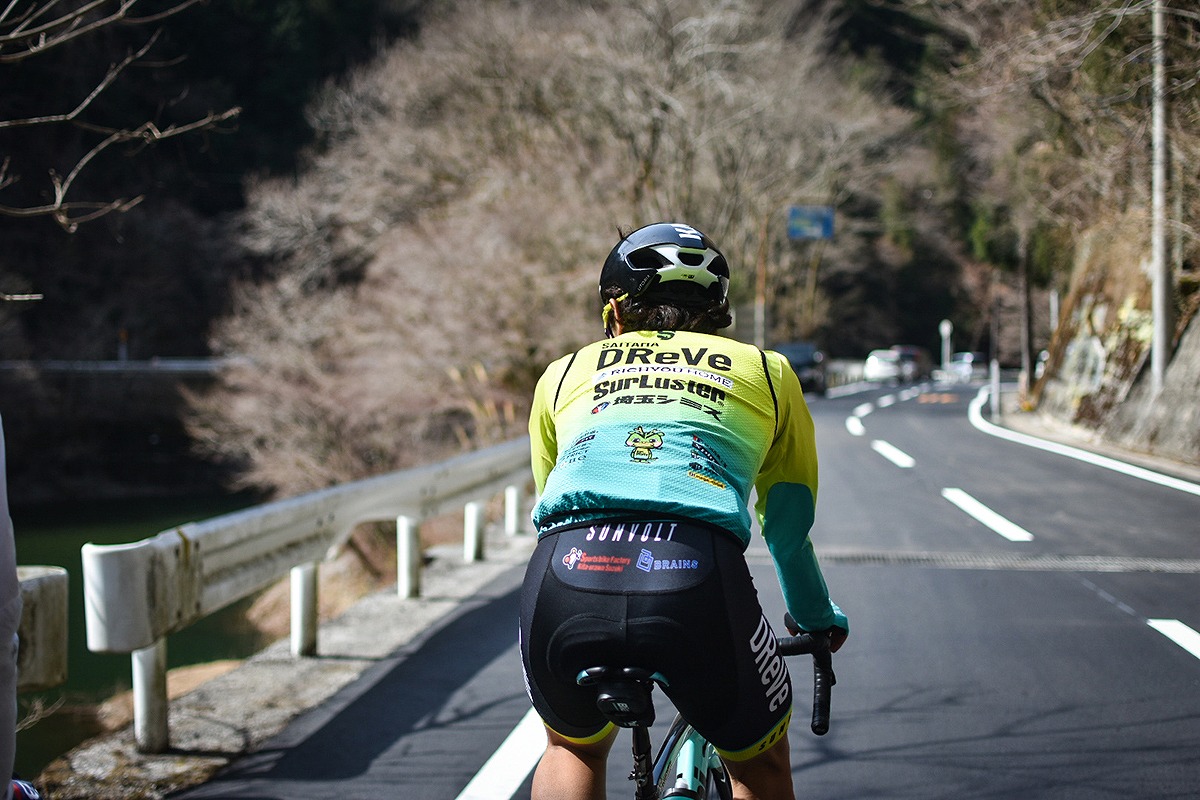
882, 365
967, 367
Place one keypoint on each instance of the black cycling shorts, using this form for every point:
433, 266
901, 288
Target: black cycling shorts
673, 597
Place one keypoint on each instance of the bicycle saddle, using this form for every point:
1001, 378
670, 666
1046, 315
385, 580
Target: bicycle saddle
623, 693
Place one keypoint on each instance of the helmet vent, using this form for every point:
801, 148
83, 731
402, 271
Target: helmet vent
691, 259
647, 259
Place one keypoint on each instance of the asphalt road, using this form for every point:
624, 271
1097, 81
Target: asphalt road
1020, 629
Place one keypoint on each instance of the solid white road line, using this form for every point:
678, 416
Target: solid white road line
1009, 530
1177, 632
893, 454
507, 769
976, 416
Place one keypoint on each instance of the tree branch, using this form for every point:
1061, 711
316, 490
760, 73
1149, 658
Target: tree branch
113, 71
59, 31
35, 28
36, 38
64, 211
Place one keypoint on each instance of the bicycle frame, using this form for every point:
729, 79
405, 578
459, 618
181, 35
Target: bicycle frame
688, 766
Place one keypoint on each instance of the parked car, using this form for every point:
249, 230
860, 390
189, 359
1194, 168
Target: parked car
809, 363
915, 362
881, 365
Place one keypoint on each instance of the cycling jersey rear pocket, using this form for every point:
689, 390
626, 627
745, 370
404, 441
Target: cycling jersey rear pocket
633, 557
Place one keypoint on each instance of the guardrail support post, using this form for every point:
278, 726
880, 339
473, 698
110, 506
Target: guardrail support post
472, 532
304, 610
512, 510
150, 704
42, 658
408, 557
994, 377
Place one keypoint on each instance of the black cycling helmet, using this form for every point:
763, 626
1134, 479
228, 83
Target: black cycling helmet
667, 260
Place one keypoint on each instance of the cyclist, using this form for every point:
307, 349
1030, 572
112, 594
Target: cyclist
646, 446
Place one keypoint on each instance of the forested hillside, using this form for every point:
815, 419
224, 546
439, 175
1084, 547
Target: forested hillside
444, 244
394, 212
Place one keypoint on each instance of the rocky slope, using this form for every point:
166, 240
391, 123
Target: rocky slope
1099, 370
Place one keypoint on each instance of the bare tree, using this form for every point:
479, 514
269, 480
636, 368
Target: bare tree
1054, 105
445, 245
1067, 95
33, 29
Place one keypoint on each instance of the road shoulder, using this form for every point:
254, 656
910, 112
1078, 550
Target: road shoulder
1042, 426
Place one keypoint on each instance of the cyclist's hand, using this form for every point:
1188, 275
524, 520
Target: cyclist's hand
837, 635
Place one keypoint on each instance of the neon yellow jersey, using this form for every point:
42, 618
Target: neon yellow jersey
686, 425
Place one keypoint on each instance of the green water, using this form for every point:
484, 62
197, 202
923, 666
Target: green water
53, 535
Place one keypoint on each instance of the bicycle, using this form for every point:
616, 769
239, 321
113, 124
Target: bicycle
686, 764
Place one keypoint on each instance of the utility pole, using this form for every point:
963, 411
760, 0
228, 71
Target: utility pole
1160, 307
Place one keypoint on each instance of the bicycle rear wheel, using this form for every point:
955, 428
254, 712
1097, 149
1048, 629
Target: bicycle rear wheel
717, 786
688, 767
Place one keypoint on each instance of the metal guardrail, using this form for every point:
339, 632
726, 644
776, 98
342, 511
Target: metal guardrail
136, 594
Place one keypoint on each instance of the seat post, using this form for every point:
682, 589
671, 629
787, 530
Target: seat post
643, 768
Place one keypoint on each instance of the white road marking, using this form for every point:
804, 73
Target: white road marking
509, 766
1177, 632
886, 400
893, 454
1009, 530
976, 416
854, 422
848, 389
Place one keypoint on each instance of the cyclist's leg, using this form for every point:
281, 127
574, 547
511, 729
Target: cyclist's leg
571, 767
765, 777
741, 701
572, 771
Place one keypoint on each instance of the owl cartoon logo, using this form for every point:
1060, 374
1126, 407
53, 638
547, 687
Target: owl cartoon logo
643, 443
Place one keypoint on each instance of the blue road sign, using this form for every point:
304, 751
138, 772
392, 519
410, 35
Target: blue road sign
810, 222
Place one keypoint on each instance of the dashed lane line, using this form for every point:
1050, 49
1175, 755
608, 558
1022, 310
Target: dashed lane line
1177, 632
893, 454
1009, 530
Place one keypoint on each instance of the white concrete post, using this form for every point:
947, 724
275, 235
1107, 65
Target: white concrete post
512, 510
408, 557
472, 532
150, 704
994, 400
42, 657
304, 610
945, 329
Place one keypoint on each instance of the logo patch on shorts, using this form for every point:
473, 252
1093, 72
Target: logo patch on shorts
572, 558
632, 556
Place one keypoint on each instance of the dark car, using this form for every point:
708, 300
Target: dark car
915, 362
809, 363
